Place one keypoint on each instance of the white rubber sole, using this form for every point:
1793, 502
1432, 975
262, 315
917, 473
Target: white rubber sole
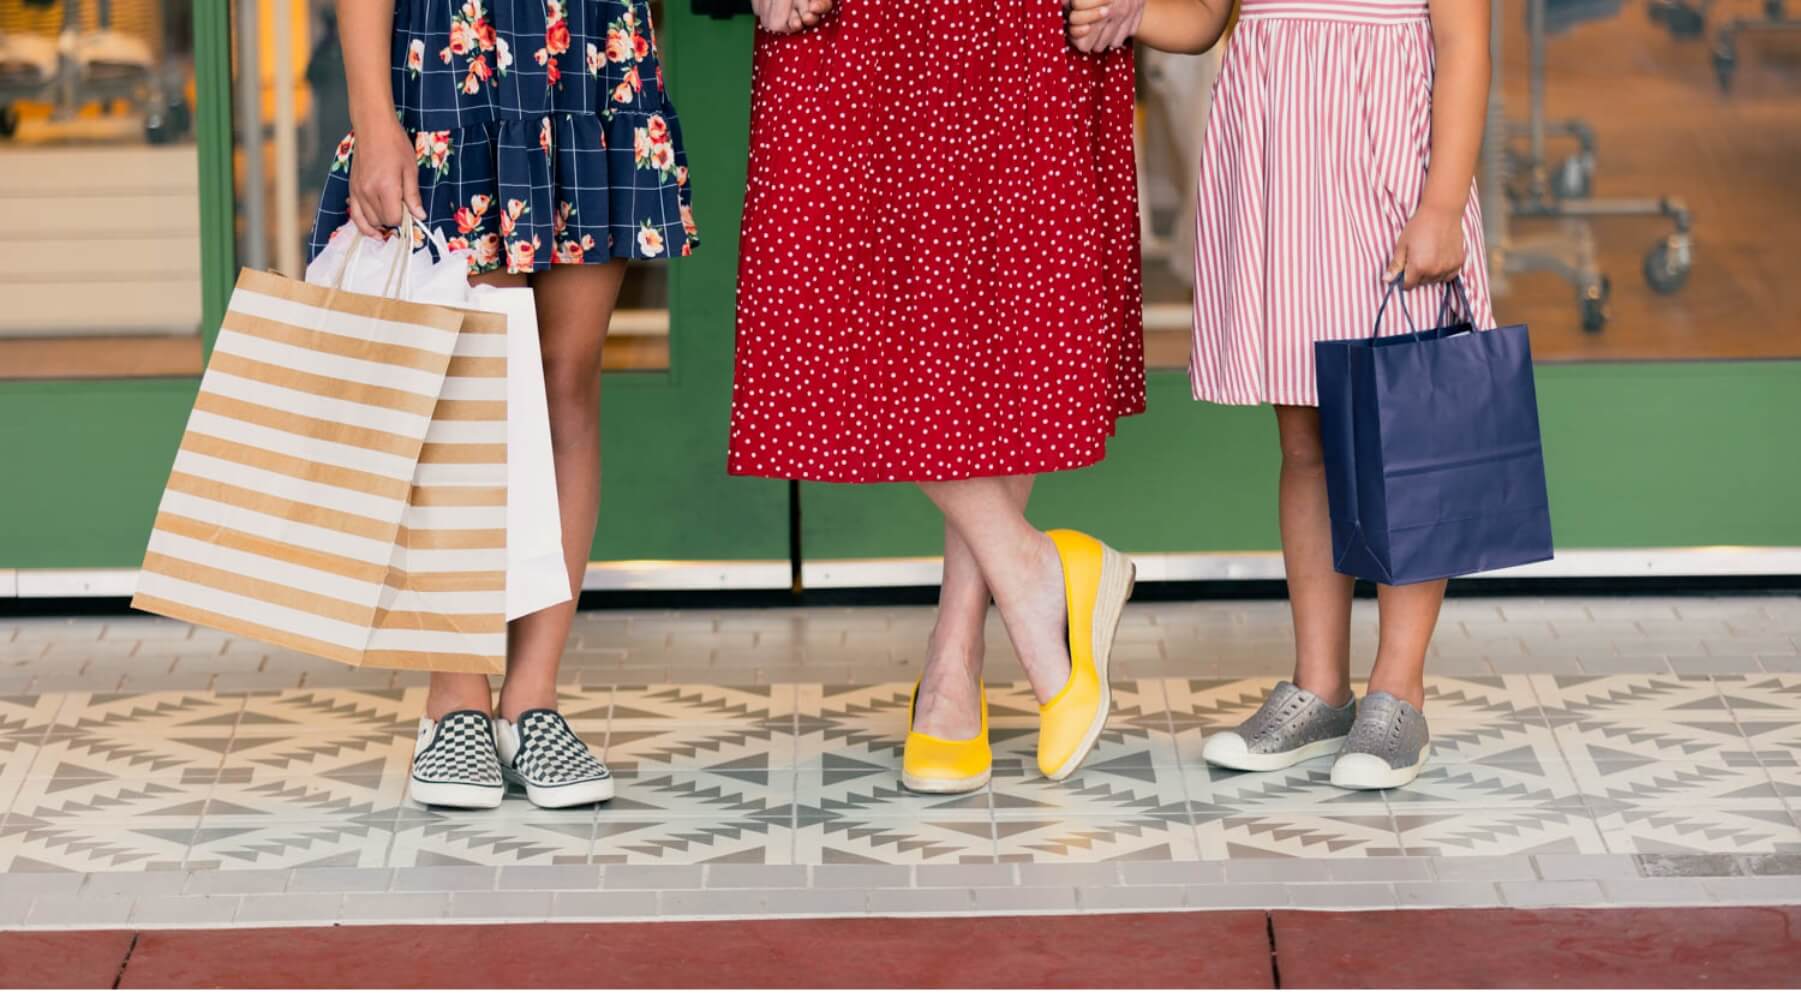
1118, 576
1228, 749
565, 795
1371, 773
940, 785
462, 796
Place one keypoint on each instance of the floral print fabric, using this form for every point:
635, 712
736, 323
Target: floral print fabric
542, 129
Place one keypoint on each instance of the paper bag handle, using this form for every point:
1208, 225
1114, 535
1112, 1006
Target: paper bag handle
1454, 285
408, 232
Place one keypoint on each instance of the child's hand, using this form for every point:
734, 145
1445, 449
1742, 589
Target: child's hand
1095, 25
384, 179
1430, 249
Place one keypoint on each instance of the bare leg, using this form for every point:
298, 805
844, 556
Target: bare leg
1319, 596
1020, 566
453, 691
575, 304
1409, 613
950, 688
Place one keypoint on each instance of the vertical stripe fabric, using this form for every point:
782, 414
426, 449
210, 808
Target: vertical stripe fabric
341, 486
1314, 160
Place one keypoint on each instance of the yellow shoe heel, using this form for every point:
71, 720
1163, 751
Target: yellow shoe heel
1097, 581
933, 765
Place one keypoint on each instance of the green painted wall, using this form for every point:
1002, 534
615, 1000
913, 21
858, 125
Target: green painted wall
1684, 454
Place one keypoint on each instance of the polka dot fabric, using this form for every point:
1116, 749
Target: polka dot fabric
939, 273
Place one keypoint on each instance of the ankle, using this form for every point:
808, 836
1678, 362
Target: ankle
1409, 687
457, 692
1333, 689
516, 699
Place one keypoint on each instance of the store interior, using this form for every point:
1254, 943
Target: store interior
1638, 180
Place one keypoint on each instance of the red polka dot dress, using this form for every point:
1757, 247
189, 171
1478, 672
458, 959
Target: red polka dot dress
939, 272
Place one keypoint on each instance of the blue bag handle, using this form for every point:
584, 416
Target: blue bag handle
1444, 306
1376, 328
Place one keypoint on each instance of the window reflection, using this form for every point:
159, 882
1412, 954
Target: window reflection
1639, 179
98, 167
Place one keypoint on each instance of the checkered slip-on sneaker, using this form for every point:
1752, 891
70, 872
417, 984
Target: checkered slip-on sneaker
455, 764
544, 755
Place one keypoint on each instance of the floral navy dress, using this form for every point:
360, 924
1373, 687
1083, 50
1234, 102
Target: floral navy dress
543, 132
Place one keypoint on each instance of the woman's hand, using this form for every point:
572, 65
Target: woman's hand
784, 17
1097, 25
384, 180
1430, 249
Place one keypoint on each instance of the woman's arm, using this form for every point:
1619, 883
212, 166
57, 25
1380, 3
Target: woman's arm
1431, 248
384, 172
1180, 26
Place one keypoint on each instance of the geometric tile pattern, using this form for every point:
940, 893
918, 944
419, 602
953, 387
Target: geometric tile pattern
769, 741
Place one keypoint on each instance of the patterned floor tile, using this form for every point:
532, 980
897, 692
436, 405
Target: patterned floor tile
704, 703
1082, 838
1762, 696
1638, 698
921, 839
1624, 740
865, 724
165, 714
292, 797
1303, 786
647, 745
1504, 700
1691, 783
73, 844
1474, 832
240, 843
449, 838
296, 712
1227, 834
1197, 705
1486, 785
1497, 743
1747, 828
1117, 789
1788, 784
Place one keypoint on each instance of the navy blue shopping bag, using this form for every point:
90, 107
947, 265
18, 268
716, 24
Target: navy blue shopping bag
1434, 467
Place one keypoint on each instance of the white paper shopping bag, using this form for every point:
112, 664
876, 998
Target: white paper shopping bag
536, 576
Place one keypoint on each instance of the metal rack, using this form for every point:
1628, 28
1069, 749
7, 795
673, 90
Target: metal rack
1521, 183
1688, 19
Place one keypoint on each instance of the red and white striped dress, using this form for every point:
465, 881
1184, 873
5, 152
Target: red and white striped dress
1314, 159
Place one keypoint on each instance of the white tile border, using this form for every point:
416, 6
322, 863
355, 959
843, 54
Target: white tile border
194, 900
897, 572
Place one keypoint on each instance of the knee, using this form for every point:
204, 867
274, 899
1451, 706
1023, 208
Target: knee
571, 383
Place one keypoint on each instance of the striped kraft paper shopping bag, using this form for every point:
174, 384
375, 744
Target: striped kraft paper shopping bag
341, 486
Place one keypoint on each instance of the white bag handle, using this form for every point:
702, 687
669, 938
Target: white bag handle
408, 232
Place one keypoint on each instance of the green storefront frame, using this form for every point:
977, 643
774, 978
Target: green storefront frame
1660, 457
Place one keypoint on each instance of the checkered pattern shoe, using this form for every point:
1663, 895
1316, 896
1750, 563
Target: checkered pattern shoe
543, 753
455, 764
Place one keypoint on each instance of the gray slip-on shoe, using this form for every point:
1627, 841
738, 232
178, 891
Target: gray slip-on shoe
1387, 746
1292, 726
